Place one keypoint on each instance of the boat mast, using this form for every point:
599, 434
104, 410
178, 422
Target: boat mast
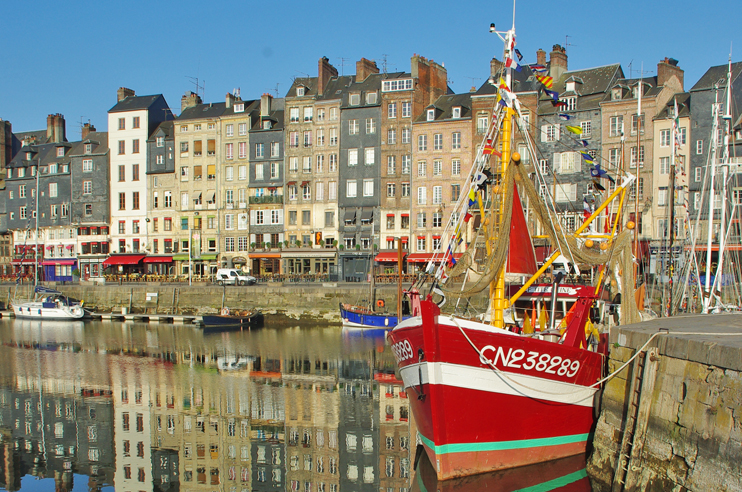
712, 199
636, 185
399, 280
498, 302
671, 187
36, 234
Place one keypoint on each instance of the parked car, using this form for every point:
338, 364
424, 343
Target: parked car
233, 276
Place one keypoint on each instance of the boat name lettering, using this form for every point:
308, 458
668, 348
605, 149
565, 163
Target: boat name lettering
546, 289
533, 361
402, 350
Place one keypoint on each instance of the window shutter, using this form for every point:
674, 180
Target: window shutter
573, 192
577, 159
557, 132
557, 162
280, 216
543, 132
253, 217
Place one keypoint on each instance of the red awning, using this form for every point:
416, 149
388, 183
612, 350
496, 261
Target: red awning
426, 257
123, 260
405, 215
58, 262
158, 259
25, 261
390, 215
291, 183
404, 239
304, 183
388, 256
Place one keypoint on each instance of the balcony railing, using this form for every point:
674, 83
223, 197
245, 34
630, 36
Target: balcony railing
267, 199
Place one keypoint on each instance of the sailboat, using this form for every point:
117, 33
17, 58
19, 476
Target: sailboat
489, 392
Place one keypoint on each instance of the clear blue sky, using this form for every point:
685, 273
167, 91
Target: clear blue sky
70, 57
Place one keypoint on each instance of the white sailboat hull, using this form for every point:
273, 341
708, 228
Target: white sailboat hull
41, 310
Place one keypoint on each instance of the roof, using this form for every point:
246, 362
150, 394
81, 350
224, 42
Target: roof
523, 81
99, 141
668, 111
166, 129
336, 86
133, 103
445, 104
717, 74
202, 111
596, 83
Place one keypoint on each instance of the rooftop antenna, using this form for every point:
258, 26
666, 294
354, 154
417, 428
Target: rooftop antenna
342, 65
82, 124
276, 89
473, 79
566, 41
384, 62
200, 85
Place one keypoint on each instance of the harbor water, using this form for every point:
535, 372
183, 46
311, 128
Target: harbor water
135, 406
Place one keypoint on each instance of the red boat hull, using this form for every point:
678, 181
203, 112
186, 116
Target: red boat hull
534, 405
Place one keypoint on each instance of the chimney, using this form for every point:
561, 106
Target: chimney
541, 57
123, 93
55, 128
364, 68
265, 104
430, 82
6, 143
325, 72
557, 61
189, 100
495, 67
229, 100
668, 68
86, 129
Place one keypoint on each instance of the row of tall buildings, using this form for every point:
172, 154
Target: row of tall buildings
341, 168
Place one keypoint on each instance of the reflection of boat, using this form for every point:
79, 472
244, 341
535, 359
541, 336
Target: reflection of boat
567, 475
460, 370
48, 304
360, 317
236, 319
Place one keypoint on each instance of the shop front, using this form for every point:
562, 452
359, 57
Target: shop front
158, 264
24, 268
309, 262
387, 262
59, 270
205, 265
91, 265
264, 263
124, 264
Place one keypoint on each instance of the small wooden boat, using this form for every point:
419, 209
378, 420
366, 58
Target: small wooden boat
232, 320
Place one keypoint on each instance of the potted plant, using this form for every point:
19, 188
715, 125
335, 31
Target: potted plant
286, 243
252, 245
322, 243
342, 247
358, 247
376, 247
298, 243
267, 245
335, 243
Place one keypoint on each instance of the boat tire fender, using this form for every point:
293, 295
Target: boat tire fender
597, 399
225, 311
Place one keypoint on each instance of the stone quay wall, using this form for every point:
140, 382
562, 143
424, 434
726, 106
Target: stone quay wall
692, 411
282, 304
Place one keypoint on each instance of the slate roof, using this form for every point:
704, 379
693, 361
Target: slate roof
134, 103
309, 82
99, 141
684, 108
596, 82
250, 106
716, 74
523, 81
201, 111
445, 104
166, 127
335, 87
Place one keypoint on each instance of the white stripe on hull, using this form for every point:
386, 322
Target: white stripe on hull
490, 381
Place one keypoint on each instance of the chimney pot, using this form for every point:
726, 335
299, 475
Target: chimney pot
123, 93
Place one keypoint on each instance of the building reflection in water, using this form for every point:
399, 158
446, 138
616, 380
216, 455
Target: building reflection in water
145, 407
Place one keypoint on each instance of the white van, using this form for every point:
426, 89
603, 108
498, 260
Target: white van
233, 276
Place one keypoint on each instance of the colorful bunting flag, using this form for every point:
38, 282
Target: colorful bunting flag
565, 117
546, 80
511, 63
467, 217
586, 213
584, 143
587, 157
488, 149
552, 94
472, 197
574, 129
538, 68
556, 104
596, 172
517, 53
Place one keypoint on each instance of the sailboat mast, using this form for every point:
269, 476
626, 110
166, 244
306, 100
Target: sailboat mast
712, 196
636, 186
497, 287
672, 203
36, 234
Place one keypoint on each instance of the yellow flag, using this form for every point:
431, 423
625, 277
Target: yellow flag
527, 327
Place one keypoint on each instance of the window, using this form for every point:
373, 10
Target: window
699, 147
587, 128
482, 123
662, 196
570, 103
697, 174
635, 120
351, 189
455, 192
421, 220
421, 243
229, 151
391, 189
406, 164
456, 167
437, 167
422, 142
319, 190
229, 221
352, 157
355, 99
664, 138
352, 127
391, 110
320, 137
183, 147
456, 112
135, 172
229, 173
333, 136
332, 190
229, 130
370, 126
87, 187
437, 195
242, 129
681, 136
613, 157
306, 164
391, 136
274, 170
122, 173
293, 192
184, 173
122, 147
438, 141
371, 97
634, 156
122, 201
135, 200
368, 187
306, 192
168, 199
160, 159
333, 163
370, 156
616, 126
550, 133
422, 195
456, 140
405, 189
391, 165
437, 220
122, 124
306, 217
307, 139
406, 135
293, 139
52, 190
135, 146
406, 109
320, 163
259, 150
293, 164
664, 165
422, 168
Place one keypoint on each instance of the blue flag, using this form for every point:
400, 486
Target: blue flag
552, 94
517, 53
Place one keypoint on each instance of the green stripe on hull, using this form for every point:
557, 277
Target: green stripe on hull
556, 483
503, 445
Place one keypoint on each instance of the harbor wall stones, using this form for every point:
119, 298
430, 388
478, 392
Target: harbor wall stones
693, 437
282, 304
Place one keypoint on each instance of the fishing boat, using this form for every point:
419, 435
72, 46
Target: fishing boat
48, 304
490, 391
232, 319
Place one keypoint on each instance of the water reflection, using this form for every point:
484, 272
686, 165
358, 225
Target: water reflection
135, 406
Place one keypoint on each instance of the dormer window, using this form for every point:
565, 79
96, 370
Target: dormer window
88, 148
355, 99
10, 173
28, 156
53, 168
570, 86
300, 91
239, 108
616, 94
21, 172
371, 98
60, 151
33, 171
456, 112
431, 114
160, 142
267, 125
